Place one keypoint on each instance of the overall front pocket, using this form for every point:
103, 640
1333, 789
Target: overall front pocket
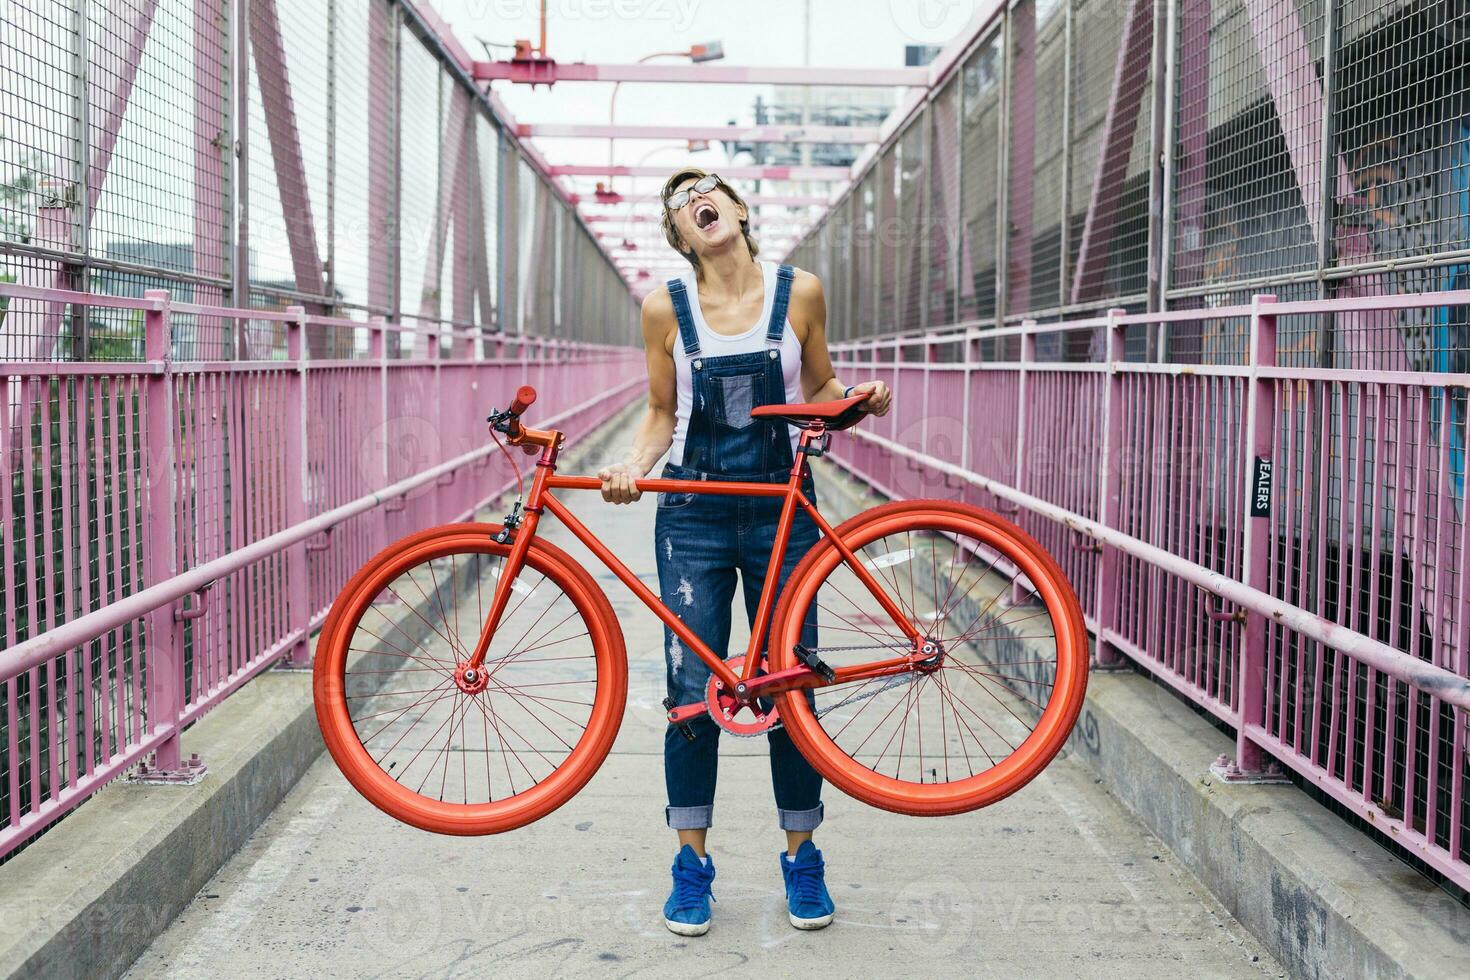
732, 396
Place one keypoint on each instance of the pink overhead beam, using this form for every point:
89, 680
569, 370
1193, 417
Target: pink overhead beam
841, 135
754, 200
653, 219
549, 72
733, 173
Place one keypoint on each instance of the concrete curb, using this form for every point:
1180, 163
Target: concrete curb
86, 899
1322, 897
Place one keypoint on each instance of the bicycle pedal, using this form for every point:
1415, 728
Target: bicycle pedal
815, 664
684, 727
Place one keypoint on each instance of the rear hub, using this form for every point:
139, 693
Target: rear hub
932, 652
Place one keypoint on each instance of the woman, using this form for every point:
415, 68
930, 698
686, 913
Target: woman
731, 334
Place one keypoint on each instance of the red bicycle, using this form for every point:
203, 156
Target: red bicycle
471, 678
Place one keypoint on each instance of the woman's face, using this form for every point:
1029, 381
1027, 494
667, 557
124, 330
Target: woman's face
709, 222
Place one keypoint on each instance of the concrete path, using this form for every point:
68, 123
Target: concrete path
1058, 880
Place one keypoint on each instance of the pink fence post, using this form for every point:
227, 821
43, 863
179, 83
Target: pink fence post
1110, 488
1023, 465
435, 353
378, 466
298, 578
161, 560
1261, 432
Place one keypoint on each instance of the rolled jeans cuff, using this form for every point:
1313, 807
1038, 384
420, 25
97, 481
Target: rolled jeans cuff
689, 817
800, 820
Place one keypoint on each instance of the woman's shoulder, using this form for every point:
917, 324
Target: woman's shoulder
659, 321
806, 288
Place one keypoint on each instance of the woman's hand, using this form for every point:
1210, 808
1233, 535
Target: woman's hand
618, 486
879, 401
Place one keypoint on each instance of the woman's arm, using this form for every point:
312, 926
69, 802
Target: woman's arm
656, 431
818, 379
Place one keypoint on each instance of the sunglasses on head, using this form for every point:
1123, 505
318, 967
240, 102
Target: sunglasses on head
703, 185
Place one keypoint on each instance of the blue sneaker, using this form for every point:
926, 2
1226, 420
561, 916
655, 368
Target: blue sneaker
687, 910
807, 902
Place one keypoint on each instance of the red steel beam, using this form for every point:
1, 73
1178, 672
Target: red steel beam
841, 135
547, 72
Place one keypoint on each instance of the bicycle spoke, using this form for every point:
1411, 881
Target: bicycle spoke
907, 726
533, 708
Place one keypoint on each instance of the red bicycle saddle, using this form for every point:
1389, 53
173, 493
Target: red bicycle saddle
840, 414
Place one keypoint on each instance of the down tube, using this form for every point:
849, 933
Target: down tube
653, 602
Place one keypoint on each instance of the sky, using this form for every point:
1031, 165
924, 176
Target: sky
867, 33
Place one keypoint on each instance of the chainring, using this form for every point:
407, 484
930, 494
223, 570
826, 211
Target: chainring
740, 720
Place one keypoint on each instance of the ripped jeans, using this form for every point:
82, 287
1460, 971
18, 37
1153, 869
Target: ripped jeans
702, 541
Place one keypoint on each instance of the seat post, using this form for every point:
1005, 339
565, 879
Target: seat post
810, 433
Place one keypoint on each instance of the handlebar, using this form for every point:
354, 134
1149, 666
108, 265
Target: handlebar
530, 440
525, 398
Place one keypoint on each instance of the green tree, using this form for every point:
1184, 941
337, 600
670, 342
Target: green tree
15, 195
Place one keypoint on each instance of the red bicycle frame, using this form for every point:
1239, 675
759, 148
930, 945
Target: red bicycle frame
745, 686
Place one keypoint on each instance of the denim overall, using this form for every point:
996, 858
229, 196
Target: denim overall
703, 540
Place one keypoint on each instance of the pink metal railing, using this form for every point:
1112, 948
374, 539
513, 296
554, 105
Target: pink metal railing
1330, 625
169, 529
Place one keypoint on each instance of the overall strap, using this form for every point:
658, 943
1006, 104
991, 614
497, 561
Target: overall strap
687, 333
777, 327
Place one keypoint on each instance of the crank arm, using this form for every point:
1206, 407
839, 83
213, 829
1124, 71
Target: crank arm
680, 717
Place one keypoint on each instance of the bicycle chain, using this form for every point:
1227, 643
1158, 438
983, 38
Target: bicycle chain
907, 677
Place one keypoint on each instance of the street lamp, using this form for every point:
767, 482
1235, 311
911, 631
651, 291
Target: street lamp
697, 53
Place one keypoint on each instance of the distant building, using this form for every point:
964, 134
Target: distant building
797, 105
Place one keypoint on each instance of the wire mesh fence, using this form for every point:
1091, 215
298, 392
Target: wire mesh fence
1216, 456
1172, 156
263, 154
122, 477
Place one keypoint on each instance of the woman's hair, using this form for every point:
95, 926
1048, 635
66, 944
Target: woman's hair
676, 242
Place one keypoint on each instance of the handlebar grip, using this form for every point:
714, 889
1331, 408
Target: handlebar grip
525, 398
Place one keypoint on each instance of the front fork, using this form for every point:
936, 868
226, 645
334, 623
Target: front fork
470, 675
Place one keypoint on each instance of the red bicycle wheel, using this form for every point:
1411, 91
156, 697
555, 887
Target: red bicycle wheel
458, 758
998, 700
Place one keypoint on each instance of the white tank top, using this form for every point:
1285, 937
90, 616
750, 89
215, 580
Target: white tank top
712, 344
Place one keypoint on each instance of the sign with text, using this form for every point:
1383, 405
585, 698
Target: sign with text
1261, 488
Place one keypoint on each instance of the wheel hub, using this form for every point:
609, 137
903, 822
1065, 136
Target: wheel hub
471, 681
933, 653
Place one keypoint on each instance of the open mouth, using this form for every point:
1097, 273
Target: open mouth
705, 215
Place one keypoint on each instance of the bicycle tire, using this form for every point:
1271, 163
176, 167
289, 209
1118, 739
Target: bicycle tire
839, 764
334, 662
